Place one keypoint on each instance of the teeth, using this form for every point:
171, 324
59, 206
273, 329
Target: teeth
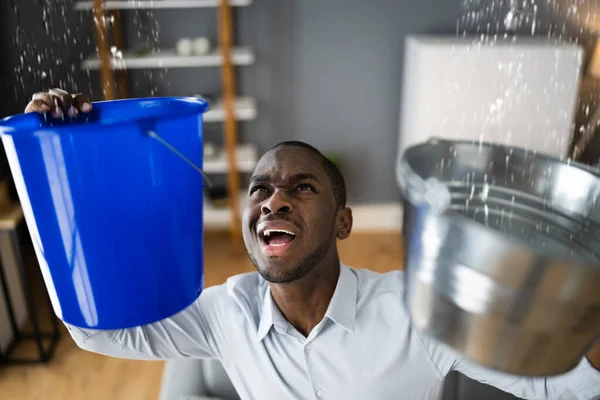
268, 232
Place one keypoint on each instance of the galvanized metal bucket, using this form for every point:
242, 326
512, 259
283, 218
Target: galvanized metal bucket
502, 253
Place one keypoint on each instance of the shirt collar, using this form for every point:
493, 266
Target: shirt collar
341, 310
266, 316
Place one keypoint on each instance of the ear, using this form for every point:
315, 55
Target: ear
344, 218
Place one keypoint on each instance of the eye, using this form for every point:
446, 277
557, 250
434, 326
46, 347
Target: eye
257, 188
305, 186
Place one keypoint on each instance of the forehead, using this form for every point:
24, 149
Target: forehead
286, 161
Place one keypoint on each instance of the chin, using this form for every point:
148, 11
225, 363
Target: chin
276, 270
290, 266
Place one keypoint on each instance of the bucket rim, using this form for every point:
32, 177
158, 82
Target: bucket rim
24, 123
413, 188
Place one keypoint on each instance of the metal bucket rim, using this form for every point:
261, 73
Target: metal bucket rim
414, 186
516, 149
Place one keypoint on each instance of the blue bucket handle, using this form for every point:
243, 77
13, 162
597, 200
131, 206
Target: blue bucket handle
154, 135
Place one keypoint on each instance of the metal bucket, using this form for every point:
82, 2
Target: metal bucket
502, 254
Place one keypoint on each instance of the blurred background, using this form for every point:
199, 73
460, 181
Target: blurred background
359, 79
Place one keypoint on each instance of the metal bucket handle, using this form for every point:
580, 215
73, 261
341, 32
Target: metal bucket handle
154, 135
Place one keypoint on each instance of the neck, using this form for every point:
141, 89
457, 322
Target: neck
304, 302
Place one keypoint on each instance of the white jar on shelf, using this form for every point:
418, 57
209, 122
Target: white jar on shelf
184, 47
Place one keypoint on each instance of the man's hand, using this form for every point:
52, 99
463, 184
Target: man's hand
59, 103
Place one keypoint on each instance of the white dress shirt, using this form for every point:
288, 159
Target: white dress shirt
364, 348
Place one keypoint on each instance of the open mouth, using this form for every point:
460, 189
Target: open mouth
277, 237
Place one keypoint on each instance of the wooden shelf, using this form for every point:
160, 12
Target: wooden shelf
244, 107
170, 59
220, 218
156, 4
246, 157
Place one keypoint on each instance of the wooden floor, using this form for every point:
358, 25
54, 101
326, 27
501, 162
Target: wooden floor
76, 374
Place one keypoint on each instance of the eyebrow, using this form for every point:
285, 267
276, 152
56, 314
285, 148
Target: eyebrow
260, 178
293, 179
303, 177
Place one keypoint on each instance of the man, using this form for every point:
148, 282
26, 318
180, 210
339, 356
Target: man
305, 325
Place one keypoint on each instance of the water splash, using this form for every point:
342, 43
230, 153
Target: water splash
47, 48
491, 23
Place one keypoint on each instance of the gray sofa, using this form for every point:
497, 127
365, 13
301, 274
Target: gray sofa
207, 380
195, 380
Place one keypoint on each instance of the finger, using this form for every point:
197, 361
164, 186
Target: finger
82, 102
72, 112
38, 106
65, 99
57, 111
43, 97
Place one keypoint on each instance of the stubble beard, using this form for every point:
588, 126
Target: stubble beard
301, 270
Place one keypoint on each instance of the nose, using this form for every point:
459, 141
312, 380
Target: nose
276, 203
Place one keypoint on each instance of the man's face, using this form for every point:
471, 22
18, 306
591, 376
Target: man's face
289, 222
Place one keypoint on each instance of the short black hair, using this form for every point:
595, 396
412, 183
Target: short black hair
335, 176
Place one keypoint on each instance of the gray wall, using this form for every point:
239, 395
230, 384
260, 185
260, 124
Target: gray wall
334, 79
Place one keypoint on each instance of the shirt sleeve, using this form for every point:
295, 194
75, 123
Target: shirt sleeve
195, 332
581, 383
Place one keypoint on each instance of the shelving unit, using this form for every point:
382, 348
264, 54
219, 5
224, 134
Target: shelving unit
246, 157
244, 108
157, 4
169, 59
215, 218
235, 158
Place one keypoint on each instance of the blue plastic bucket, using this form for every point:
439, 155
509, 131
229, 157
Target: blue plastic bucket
114, 211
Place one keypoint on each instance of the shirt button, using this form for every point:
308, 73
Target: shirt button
320, 393
308, 346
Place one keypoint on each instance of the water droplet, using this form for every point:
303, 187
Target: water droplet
485, 192
486, 213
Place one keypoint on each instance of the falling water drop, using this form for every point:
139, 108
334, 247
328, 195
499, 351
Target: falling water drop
485, 192
486, 214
